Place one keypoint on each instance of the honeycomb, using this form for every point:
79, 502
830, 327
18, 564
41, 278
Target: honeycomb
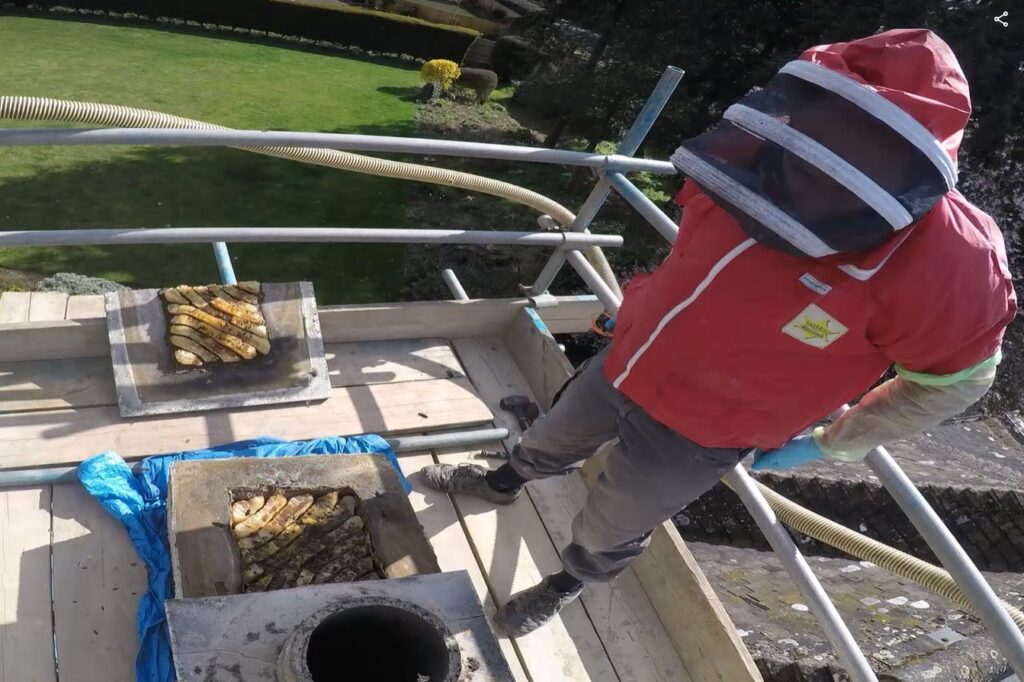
291, 539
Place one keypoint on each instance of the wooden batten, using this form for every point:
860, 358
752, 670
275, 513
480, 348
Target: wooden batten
447, 319
541, 361
56, 339
86, 338
701, 630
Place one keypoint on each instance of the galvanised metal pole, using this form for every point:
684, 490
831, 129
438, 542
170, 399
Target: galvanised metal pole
452, 439
195, 235
951, 555
454, 285
818, 600
954, 559
609, 299
227, 271
193, 137
586, 214
651, 110
642, 125
644, 206
794, 563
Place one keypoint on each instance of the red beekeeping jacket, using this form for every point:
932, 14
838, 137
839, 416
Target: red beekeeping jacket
735, 344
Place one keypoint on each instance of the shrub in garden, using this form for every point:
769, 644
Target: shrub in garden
482, 81
441, 72
515, 59
345, 25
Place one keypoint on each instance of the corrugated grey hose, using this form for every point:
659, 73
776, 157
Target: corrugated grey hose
67, 111
889, 558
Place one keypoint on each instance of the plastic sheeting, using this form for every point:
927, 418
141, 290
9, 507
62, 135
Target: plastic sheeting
139, 502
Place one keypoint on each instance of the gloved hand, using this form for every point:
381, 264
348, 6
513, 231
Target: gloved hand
800, 450
604, 325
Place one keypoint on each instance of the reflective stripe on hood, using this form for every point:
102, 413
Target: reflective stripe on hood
826, 159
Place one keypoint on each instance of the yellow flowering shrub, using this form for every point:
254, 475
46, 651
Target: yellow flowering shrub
441, 72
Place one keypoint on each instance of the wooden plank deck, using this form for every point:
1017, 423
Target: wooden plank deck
97, 580
26, 623
621, 613
64, 561
85, 307
444, 529
14, 306
67, 436
54, 384
47, 305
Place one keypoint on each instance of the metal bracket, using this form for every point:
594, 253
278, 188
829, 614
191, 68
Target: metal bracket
544, 300
548, 223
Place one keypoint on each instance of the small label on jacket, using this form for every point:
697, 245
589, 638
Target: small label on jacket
814, 284
815, 327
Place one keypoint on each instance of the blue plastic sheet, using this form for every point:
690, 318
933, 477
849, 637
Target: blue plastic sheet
139, 502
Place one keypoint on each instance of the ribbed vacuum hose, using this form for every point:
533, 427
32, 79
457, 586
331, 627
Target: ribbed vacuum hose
892, 560
790, 513
46, 109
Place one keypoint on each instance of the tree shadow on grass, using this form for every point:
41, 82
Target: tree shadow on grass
404, 94
177, 187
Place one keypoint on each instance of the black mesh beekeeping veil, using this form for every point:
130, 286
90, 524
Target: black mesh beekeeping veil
817, 164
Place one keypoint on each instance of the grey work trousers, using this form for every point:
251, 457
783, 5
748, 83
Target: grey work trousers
652, 472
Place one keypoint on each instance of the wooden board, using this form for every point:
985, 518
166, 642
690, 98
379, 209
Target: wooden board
14, 306
86, 338
448, 319
97, 581
443, 529
379, 362
516, 553
402, 321
56, 384
46, 306
536, 354
703, 634
26, 622
572, 314
622, 614
89, 382
69, 436
83, 307
23, 341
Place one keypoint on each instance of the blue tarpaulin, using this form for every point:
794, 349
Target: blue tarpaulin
139, 502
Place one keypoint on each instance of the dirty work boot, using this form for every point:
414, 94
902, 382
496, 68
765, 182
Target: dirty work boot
534, 607
467, 479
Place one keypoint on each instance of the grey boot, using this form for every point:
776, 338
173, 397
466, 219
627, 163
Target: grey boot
466, 479
533, 608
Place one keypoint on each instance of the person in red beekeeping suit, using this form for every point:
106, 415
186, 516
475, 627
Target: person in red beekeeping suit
822, 241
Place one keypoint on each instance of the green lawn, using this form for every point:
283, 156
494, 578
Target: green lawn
230, 82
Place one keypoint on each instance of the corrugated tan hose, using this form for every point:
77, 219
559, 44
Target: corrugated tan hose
790, 513
89, 113
889, 558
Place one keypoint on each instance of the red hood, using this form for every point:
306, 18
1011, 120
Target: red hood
914, 69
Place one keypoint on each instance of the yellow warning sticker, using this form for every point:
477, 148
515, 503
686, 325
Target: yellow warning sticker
815, 327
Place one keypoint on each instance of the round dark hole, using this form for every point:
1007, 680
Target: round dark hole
377, 642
